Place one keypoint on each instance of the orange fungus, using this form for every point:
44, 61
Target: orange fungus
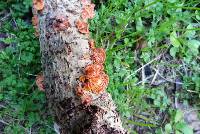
99, 55
38, 4
93, 70
40, 82
91, 44
88, 11
82, 27
96, 84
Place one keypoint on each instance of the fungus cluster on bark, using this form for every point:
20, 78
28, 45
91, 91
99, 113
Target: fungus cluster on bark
69, 54
94, 80
82, 26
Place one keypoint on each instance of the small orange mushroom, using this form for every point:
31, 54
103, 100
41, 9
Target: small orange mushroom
99, 55
82, 27
82, 78
93, 70
40, 82
88, 12
91, 44
96, 84
38, 4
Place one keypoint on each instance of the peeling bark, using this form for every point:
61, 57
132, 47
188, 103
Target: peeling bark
63, 49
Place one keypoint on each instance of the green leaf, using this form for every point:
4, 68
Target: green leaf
184, 128
139, 25
177, 132
168, 128
173, 51
174, 40
1, 97
190, 33
197, 14
178, 116
194, 46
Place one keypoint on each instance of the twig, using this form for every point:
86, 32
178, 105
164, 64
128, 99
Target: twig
155, 76
143, 76
186, 73
144, 80
4, 122
5, 17
176, 102
168, 79
2, 106
191, 91
158, 57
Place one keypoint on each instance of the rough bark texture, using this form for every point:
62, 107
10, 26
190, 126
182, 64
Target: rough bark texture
63, 59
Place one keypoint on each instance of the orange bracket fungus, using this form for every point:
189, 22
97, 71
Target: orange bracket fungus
38, 4
96, 84
94, 80
91, 44
93, 70
35, 22
61, 24
82, 27
98, 55
88, 12
39, 82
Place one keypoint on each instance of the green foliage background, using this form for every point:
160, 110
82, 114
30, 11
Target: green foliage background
168, 26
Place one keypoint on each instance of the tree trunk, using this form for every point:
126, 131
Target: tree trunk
66, 52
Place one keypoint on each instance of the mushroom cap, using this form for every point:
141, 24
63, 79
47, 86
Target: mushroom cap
97, 84
40, 82
82, 27
99, 55
38, 4
91, 43
93, 70
88, 12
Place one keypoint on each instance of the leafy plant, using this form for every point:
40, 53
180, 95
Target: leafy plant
177, 124
23, 106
